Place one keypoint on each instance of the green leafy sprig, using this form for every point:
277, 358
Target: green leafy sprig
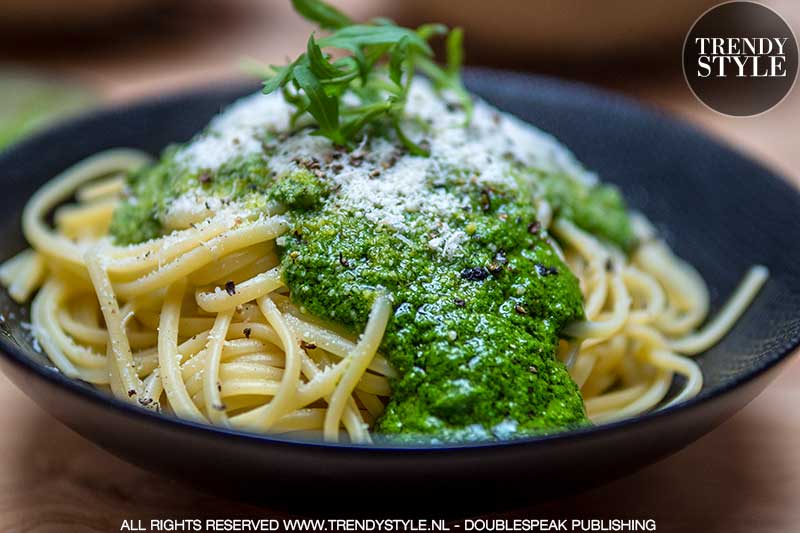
378, 64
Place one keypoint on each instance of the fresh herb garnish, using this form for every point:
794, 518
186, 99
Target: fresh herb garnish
379, 62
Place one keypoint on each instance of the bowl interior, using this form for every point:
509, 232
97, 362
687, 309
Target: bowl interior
719, 210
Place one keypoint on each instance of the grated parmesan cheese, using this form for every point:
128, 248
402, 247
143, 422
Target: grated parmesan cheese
376, 181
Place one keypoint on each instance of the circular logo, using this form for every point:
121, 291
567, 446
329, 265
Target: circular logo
740, 58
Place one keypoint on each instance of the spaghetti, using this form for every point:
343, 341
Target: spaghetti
199, 323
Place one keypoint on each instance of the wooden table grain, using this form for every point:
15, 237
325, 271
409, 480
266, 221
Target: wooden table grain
741, 478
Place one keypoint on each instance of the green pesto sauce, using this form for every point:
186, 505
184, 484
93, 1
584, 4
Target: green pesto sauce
151, 189
473, 336
599, 210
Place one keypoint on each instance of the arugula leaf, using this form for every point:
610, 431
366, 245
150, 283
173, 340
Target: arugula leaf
427, 31
455, 52
319, 64
455, 60
279, 79
361, 35
413, 148
378, 68
327, 16
321, 106
351, 128
398, 58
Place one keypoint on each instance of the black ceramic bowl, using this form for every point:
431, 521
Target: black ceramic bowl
719, 210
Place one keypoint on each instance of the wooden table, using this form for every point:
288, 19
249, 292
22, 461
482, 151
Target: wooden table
743, 477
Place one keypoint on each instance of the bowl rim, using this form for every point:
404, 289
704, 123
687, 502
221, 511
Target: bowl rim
512, 81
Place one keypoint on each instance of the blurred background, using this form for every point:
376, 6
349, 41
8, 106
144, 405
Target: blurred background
58, 57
